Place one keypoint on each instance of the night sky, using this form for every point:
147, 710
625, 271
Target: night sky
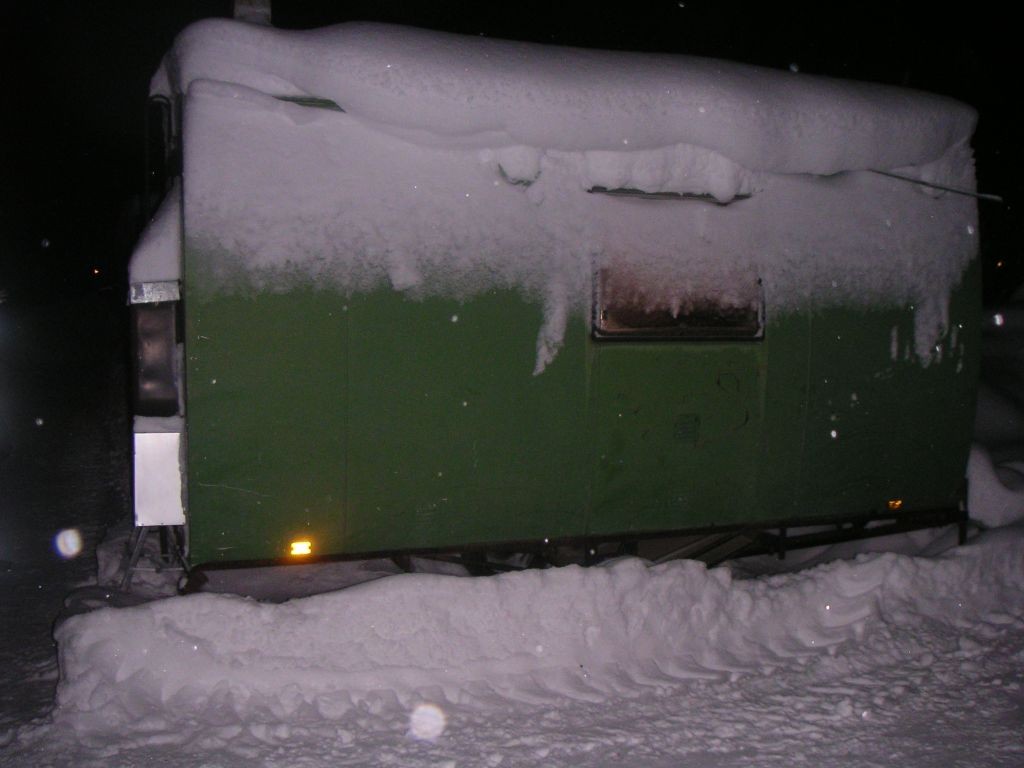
76, 77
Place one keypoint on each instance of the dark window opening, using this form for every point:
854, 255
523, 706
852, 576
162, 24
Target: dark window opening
154, 337
622, 312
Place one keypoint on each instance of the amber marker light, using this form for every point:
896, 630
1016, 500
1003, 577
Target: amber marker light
305, 547
895, 505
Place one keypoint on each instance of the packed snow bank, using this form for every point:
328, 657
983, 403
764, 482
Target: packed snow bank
535, 636
503, 93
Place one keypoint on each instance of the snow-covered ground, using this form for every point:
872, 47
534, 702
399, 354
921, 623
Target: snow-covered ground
880, 660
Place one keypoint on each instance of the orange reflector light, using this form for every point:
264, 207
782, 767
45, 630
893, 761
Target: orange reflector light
895, 504
302, 548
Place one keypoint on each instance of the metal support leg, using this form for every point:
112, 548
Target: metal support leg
136, 544
961, 528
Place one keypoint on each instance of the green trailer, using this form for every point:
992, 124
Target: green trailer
411, 293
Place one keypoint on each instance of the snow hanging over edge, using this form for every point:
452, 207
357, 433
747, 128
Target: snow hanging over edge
461, 165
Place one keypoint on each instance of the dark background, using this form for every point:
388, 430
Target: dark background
77, 75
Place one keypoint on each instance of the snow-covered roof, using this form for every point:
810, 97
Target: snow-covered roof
474, 90
463, 164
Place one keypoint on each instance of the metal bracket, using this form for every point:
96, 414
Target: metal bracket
173, 556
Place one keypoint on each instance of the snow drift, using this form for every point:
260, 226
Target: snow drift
531, 637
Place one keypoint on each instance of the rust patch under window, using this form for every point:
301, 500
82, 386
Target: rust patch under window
623, 309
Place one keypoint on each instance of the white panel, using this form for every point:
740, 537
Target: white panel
158, 479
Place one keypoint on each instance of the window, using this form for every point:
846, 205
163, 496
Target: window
623, 310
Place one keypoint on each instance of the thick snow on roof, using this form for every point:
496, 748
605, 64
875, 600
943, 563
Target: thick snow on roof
496, 92
463, 164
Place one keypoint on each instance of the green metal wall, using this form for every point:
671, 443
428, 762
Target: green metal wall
378, 423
